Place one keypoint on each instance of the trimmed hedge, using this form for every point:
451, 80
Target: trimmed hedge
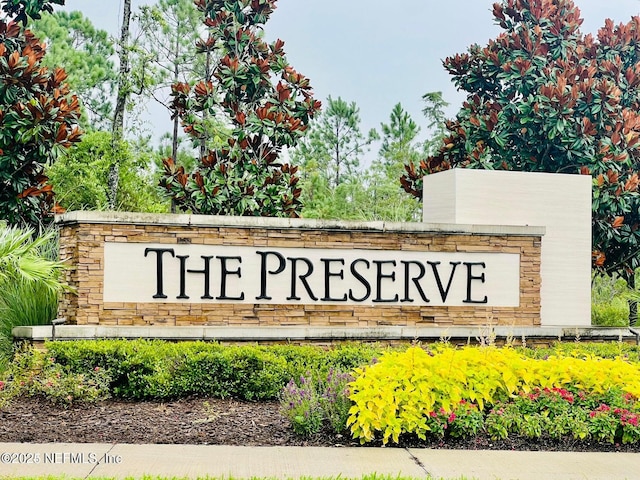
145, 369
609, 350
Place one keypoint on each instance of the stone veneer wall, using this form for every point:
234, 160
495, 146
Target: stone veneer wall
83, 235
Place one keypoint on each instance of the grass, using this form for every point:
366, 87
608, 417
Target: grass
23, 304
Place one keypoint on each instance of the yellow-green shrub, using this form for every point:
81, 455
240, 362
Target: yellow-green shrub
397, 394
585, 349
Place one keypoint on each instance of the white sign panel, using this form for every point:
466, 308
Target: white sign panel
142, 272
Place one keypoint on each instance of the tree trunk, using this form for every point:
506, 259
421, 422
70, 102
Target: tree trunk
117, 128
633, 304
205, 112
176, 120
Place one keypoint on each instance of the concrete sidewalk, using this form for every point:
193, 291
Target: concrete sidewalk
121, 460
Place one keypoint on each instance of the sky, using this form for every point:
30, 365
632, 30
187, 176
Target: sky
373, 52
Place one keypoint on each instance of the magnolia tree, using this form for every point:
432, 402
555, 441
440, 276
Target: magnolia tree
268, 106
543, 97
22, 10
38, 118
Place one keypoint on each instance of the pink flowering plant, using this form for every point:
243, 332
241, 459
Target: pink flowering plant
427, 395
616, 424
501, 420
34, 374
612, 417
438, 422
465, 420
629, 423
603, 424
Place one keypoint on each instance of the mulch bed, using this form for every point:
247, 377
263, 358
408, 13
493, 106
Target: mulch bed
211, 422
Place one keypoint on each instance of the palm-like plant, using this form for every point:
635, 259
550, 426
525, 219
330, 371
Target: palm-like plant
25, 258
30, 280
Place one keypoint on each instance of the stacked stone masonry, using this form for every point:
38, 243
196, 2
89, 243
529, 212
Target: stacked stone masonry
82, 247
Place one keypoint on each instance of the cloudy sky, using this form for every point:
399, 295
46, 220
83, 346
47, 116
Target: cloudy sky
376, 52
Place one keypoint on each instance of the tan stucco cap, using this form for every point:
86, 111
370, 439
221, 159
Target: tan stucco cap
92, 217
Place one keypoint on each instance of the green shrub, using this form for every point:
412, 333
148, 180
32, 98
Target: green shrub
245, 372
614, 313
33, 373
79, 177
259, 373
610, 350
188, 376
143, 369
317, 362
610, 301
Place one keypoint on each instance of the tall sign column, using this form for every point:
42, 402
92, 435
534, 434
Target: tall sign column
560, 203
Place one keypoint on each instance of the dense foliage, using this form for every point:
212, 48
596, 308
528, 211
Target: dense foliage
38, 120
611, 297
142, 369
570, 392
85, 52
335, 143
22, 10
334, 183
545, 97
269, 106
79, 177
420, 392
30, 281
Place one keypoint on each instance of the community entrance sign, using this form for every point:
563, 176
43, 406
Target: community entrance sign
190, 270
499, 248
144, 273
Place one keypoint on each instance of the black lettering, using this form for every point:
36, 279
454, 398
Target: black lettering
302, 277
159, 271
327, 279
471, 277
183, 276
206, 271
380, 276
263, 271
224, 271
361, 279
444, 292
415, 280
